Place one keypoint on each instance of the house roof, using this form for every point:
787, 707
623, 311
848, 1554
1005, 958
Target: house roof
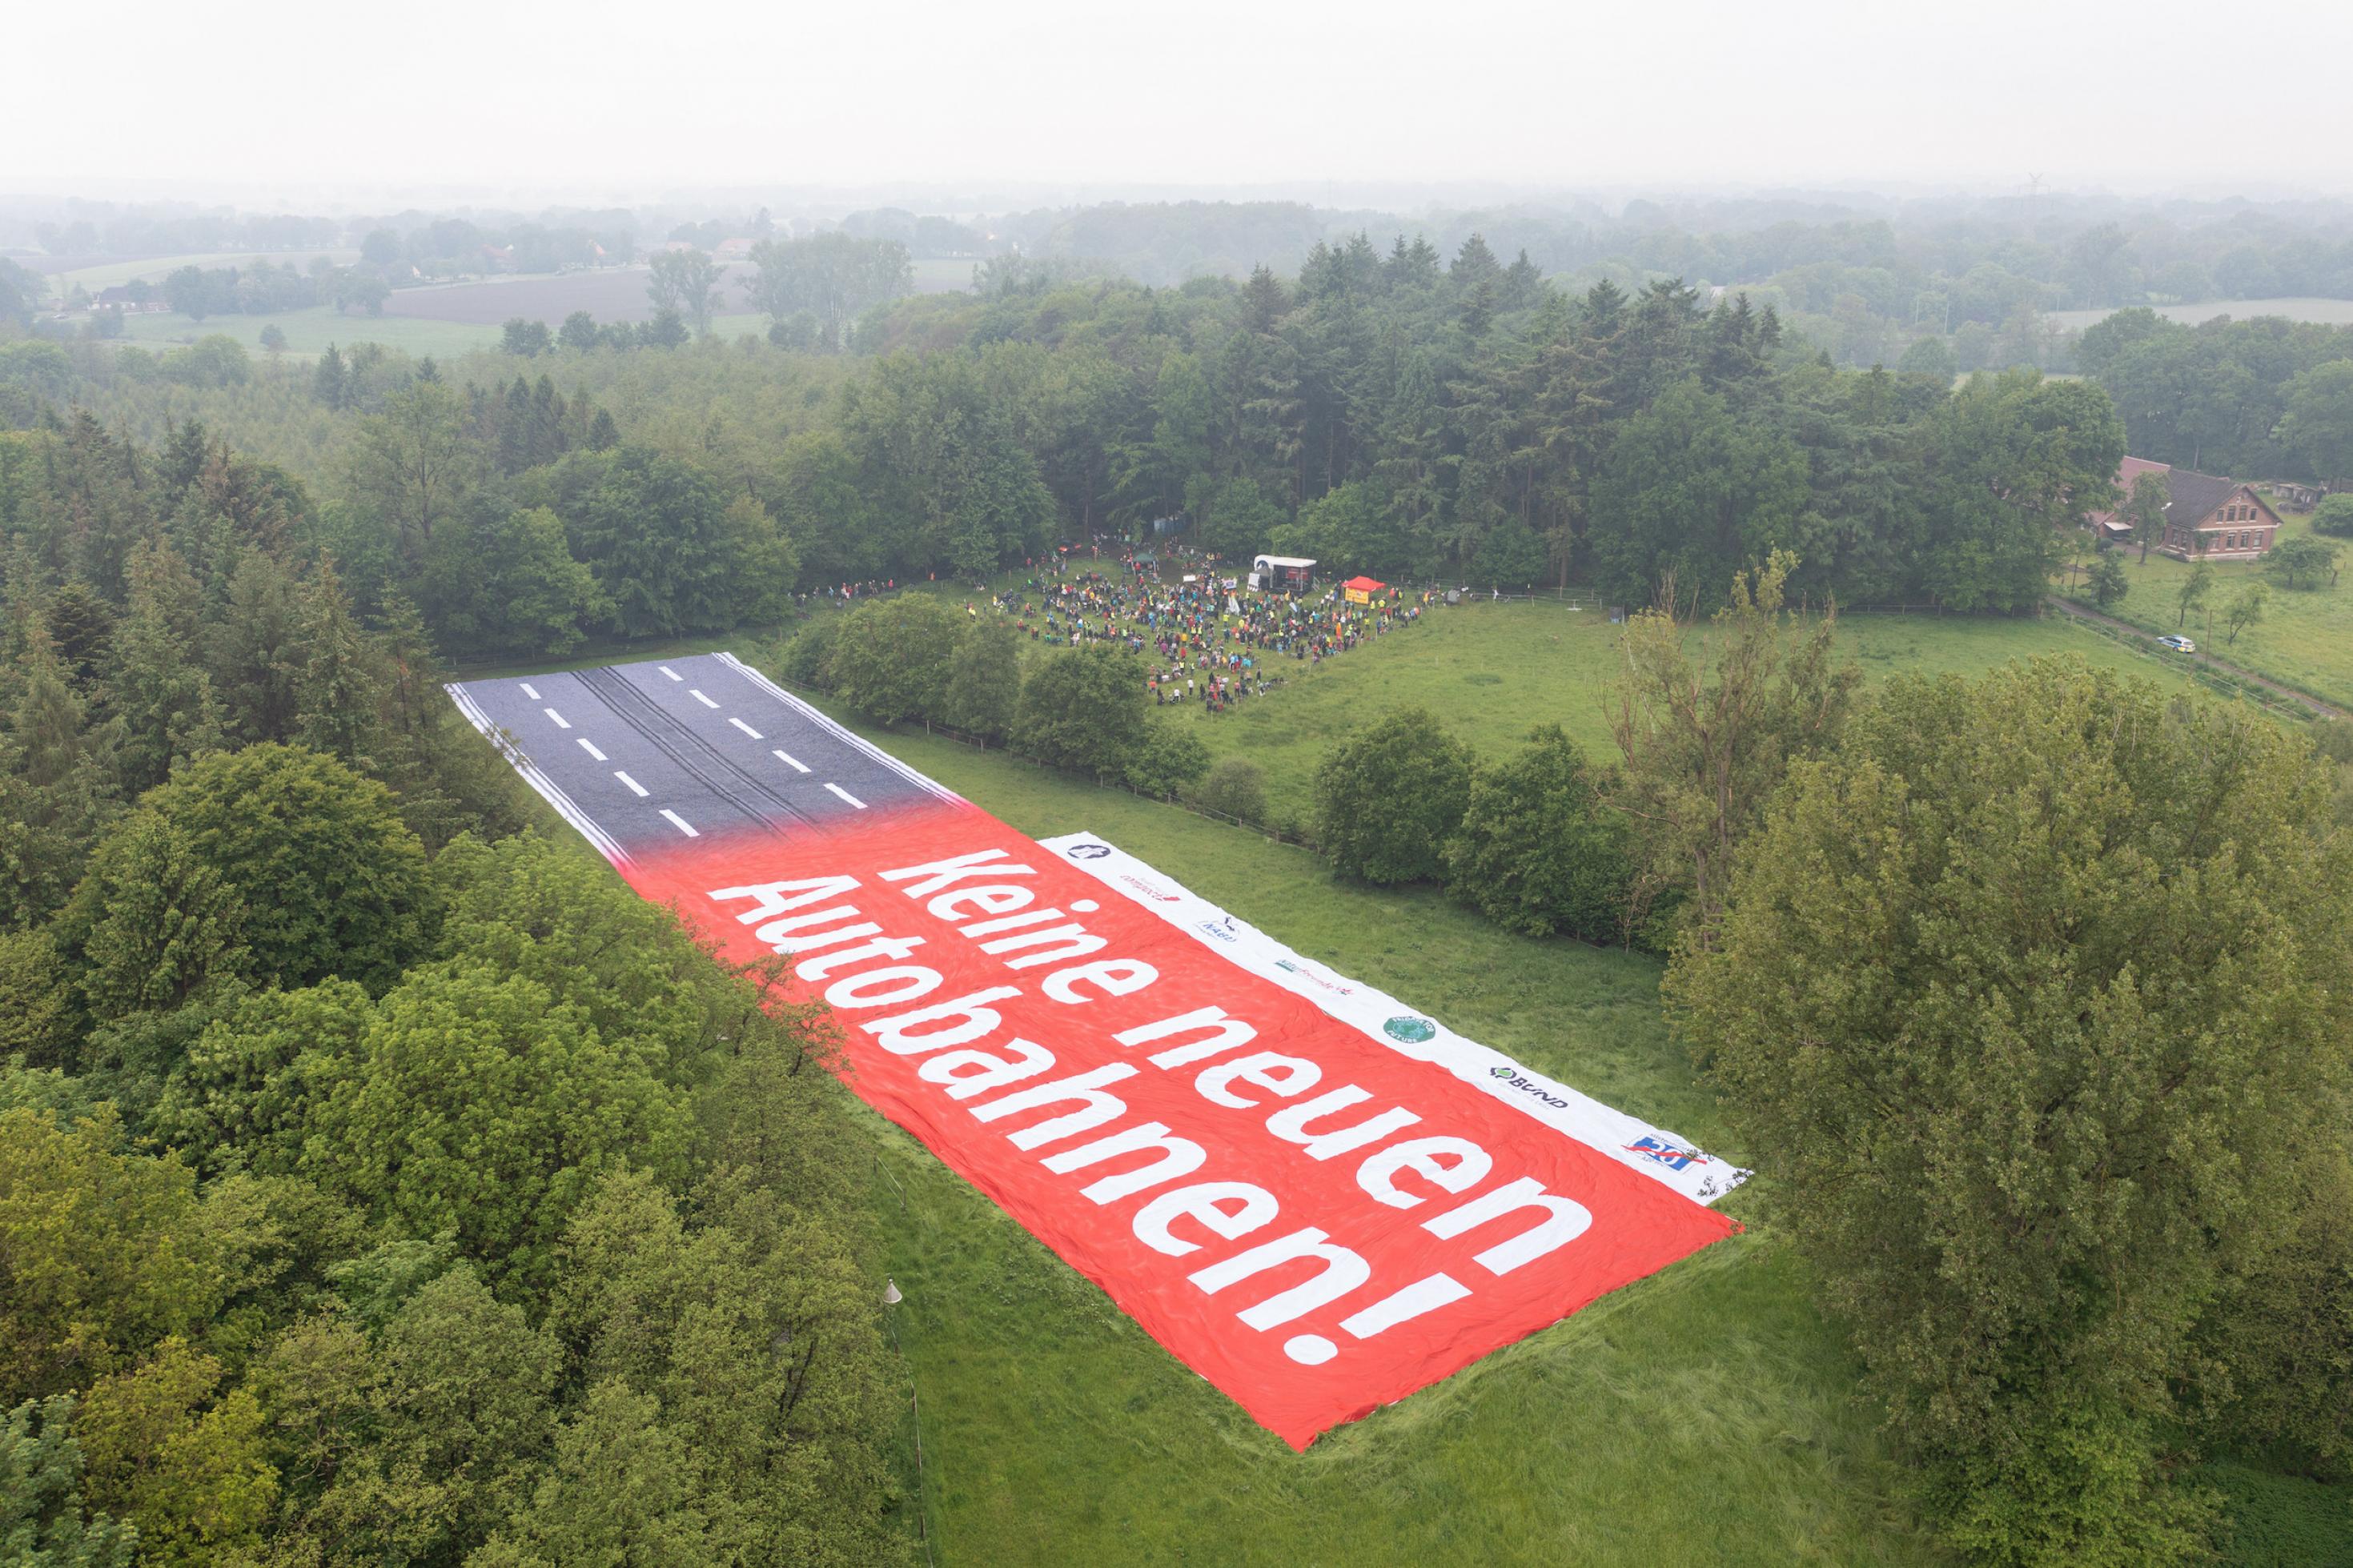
2195, 494
2190, 495
2128, 471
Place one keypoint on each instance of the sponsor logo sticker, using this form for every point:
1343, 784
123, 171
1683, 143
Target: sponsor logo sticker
1514, 1079
1088, 851
1313, 978
1666, 1153
1409, 1029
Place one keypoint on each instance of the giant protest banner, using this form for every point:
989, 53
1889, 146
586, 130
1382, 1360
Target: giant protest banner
1317, 1197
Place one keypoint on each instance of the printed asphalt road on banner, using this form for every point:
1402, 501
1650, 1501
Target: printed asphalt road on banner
652, 755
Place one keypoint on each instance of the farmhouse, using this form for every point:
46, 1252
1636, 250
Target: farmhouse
129, 297
2206, 517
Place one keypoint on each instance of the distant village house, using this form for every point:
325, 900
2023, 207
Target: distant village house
2207, 517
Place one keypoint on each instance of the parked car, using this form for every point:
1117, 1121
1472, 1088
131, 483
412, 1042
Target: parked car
2177, 643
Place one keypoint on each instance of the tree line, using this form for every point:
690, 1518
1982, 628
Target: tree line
1401, 414
2266, 398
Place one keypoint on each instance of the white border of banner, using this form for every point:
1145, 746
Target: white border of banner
1628, 1139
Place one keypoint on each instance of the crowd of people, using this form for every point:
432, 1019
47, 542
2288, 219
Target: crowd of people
1204, 638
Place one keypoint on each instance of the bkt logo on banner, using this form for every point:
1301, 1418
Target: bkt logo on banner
1088, 851
1666, 1154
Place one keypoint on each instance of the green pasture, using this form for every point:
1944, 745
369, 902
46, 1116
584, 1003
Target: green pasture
107, 274
308, 330
1492, 670
2304, 640
2327, 312
1704, 1415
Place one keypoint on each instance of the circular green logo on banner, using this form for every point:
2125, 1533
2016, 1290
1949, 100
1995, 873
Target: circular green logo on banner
1409, 1029
1500, 1072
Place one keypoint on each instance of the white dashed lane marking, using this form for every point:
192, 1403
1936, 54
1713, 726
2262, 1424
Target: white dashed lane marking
560, 722
639, 789
531, 692
589, 746
747, 729
847, 795
699, 697
668, 671
791, 761
680, 823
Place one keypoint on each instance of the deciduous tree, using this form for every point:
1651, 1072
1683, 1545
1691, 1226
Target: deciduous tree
1708, 734
1539, 850
2012, 991
1387, 798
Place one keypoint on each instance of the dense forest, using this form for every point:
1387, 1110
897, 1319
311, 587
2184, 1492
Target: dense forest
1399, 413
377, 1184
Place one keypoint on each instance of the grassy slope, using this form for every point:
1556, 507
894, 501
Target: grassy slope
2306, 638
1703, 1415
1492, 670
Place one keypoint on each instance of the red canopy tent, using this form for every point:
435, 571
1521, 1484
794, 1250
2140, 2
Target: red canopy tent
1360, 590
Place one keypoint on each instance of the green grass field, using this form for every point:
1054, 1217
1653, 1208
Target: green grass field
1492, 671
310, 331
107, 274
1704, 1415
2304, 640
2327, 312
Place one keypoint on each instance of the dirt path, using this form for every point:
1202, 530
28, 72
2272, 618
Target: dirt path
2069, 607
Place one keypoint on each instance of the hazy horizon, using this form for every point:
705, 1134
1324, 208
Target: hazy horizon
597, 103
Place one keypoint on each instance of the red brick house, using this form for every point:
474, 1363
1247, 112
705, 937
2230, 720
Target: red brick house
2206, 517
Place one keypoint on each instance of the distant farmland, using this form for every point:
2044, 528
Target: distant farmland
451, 319
609, 294
2327, 312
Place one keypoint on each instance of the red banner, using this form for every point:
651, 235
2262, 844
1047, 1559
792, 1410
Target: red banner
1316, 1224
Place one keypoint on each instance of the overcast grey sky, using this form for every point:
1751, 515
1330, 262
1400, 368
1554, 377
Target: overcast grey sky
600, 98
